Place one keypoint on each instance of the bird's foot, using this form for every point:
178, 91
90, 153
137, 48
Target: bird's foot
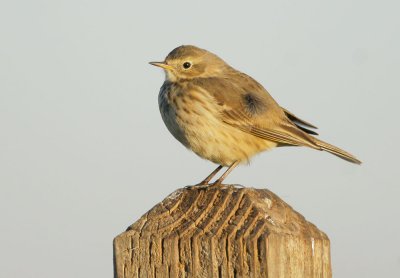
200, 186
216, 184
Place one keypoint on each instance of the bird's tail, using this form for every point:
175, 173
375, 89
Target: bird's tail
336, 151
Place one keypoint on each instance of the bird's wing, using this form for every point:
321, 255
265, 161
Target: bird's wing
282, 134
303, 125
297, 120
246, 105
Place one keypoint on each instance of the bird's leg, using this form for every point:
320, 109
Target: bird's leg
224, 175
207, 180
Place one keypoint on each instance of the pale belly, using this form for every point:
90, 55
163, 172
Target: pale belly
202, 131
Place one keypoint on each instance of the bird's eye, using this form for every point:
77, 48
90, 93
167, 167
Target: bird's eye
186, 65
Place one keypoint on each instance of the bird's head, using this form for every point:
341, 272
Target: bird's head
188, 62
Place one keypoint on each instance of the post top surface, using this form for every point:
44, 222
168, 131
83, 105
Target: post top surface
223, 210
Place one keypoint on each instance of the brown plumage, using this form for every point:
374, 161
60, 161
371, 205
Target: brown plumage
224, 115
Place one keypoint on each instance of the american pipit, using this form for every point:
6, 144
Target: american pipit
224, 115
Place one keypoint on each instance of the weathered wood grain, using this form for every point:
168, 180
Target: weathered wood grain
222, 232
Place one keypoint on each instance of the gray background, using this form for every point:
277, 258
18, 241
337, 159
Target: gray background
84, 152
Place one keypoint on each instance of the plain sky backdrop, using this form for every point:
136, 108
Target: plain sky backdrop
84, 152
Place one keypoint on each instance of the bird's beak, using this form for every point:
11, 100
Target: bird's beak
161, 65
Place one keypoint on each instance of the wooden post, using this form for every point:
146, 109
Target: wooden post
222, 232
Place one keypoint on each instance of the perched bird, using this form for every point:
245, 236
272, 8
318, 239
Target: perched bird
224, 115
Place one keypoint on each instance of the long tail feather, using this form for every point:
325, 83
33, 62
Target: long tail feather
336, 151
